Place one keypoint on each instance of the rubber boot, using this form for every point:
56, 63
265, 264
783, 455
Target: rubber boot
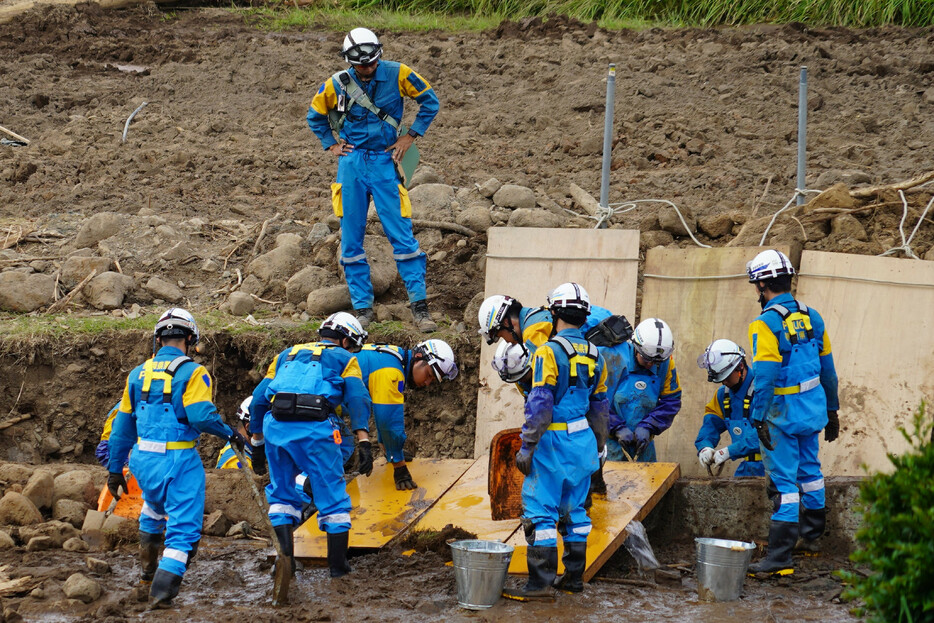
164, 589
543, 567
575, 560
365, 316
782, 538
192, 553
422, 318
597, 483
287, 542
337, 554
149, 547
811, 524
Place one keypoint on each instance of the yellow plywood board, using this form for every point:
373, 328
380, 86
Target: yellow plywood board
527, 263
467, 505
878, 313
703, 294
380, 512
633, 489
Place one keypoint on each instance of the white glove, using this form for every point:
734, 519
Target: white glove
705, 457
721, 456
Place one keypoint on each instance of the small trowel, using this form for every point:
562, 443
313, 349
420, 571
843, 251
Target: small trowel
92, 529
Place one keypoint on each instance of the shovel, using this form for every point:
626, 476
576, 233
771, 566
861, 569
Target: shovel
280, 587
92, 528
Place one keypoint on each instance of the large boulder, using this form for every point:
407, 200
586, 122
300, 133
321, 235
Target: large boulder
432, 202
108, 290
534, 217
77, 485
81, 587
40, 489
18, 510
163, 289
76, 268
424, 175
70, 511
304, 281
280, 263
20, 292
382, 265
325, 301
57, 531
668, 220
476, 218
240, 303
99, 227
513, 196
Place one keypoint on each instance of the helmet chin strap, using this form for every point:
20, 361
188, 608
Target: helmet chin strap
761, 289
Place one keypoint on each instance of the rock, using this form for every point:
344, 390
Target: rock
716, 225
382, 265
16, 472
6, 541
654, 238
70, 511
49, 446
75, 544
429, 239
216, 524
928, 96
837, 196
668, 221
40, 489
476, 218
534, 217
488, 188
39, 543
240, 530
99, 227
79, 586
848, 226
162, 289
58, 531
287, 239
319, 231
929, 255
432, 202
325, 301
76, 268
113, 523
424, 175
280, 263
108, 290
513, 196
20, 292
18, 510
96, 565
304, 281
452, 417
77, 484
240, 303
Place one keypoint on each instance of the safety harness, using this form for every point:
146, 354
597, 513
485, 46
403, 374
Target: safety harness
388, 349
789, 318
575, 358
354, 94
166, 376
747, 403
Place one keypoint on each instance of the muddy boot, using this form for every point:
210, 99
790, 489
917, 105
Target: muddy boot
597, 483
782, 538
164, 589
543, 566
422, 318
149, 547
403, 479
192, 553
811, 523
575, 559
365, 316
286, 540
337, 554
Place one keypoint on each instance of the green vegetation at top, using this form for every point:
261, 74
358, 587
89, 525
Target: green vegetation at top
480, 14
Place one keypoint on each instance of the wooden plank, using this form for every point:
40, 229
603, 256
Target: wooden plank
467, 505
380, 513
527, 264
633, 489
703, 294
878, 313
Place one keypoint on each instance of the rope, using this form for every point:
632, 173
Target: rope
798, 193
621, 208
906, 244
887, 282
126, 126
696, 277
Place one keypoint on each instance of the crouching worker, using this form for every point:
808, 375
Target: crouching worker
166, 405
227, 458
565, 411
300, 433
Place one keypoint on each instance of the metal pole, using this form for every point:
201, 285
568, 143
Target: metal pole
607, 140
802, 130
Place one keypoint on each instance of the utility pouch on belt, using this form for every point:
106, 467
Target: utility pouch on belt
289, 407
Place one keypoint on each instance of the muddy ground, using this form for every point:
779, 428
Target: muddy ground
704, 118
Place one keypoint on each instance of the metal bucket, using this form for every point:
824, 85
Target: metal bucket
721, 568
480, 572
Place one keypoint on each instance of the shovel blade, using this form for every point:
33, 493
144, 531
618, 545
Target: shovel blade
91, 529
280, 587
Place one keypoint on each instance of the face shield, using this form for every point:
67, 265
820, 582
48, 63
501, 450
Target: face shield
719, 365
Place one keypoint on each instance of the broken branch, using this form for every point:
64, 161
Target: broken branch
60, 304
863, 193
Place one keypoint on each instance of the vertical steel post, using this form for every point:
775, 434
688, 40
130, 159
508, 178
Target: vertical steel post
607, 140
802, 130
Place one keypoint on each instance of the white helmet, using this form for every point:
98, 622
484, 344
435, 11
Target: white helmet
492, 312
569, 296
720, 359
347, 326
440, 357
177, 323
243, 413
768, 265
361, 47
511, 361
653, 340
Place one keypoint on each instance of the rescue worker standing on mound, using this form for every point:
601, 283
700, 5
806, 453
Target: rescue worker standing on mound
565, 417
728, 411
794, 397
166, 405
364, 106
300, 433
387, 371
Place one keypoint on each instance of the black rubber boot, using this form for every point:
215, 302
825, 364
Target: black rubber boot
286, 540
811, 524
164, 589
543, 567
150, 545
365, 316
192, 553
575, 560
422, 318
597, 483
782, 538
337, 554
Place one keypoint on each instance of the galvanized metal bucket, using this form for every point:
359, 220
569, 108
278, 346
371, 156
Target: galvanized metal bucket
480, 572
721, 568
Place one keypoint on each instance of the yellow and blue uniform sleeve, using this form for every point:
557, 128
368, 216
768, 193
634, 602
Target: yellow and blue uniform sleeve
227, 459
197, 405
766, 367
413, 85
386, 386
539, 407
659, 419
713, 425
122, 431
324, 101
356, 398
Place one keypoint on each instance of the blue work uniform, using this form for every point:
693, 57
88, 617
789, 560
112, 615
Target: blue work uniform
535, 324
227, 459
647, 397
102, 452
307, 439
795, 385
166, 405
386, 369
369, 172
565, 392
728, 411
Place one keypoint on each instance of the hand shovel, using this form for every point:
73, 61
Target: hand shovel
91, 529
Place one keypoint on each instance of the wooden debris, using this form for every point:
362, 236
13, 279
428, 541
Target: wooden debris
16, 420
872, 191
454, 227
584, 199
14, 135
256, 298
262, 234
60, 304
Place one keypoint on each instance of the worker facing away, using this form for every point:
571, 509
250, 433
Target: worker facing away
227, 458
564, 429
387, 371
363, 106
794, 398
301, 434
166, 405
728, 411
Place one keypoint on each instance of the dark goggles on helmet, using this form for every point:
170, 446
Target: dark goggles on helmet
363, 53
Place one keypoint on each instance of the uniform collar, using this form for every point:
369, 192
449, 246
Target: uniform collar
743, 387
381, 74
634, 366
170, 351
571, 332
781, 299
